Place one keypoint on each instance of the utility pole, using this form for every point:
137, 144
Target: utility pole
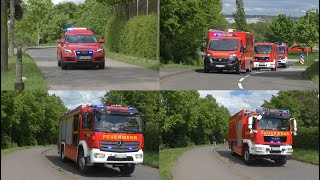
38, 34
4, 37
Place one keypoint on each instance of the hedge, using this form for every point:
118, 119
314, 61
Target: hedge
307, 138
135, 37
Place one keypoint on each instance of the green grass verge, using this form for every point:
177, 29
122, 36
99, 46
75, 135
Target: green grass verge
309, 156
142, 62
312, 57
312, 72
168, 158
13, 149
30, 70
151, 158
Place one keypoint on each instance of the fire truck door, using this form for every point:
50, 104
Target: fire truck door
75, 132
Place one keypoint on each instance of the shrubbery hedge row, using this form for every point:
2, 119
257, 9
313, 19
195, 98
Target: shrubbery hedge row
135, 37
307, 138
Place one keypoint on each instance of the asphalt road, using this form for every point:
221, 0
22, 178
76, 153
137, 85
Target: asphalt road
195, 79
211, 162
116, 75
44, 163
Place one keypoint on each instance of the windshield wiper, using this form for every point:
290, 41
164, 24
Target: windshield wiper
131, 130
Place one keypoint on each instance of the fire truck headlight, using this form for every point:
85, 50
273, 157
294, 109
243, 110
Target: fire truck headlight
99, 155
67, 51
260, 148
138, 156
100, 51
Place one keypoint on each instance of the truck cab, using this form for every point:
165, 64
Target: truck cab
229, 51
282, 55
266, 56
107, 135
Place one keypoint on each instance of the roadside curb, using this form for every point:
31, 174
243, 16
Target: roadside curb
37, 47
174, 74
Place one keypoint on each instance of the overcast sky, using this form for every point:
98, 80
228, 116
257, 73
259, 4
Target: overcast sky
233, 100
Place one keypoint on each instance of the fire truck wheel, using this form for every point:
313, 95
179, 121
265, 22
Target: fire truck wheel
206, 70
62, 155
238, 70
82, 162
285, 65
281, 160
127, 169
246, 156
232, 151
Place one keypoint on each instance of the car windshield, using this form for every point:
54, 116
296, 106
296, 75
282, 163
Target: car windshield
223, 44
116, 122
274, 124
263, 49
281, 50
81, 38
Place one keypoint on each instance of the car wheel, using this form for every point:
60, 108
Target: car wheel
82, 162
238, 70
62, 154
127, 169
246, 155
64, 66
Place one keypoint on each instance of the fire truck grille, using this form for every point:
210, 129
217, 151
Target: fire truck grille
112, 146
112, 158
261, 58
225, 60
275, 138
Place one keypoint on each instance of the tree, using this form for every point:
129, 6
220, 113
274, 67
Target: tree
281, 29
11, 27
306, 29
240, 17
303, 106
183, 25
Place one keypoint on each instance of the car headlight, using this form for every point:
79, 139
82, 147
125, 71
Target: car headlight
138, 156
233, 55
98, 155
259, 148
100, 51
67, 51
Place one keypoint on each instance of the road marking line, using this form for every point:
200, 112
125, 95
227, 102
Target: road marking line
241, 79
247, 75
240, 85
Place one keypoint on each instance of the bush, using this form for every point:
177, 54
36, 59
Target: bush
312, 72
307, 138
135, 37
152, 137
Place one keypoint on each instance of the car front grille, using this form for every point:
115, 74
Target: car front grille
112, 146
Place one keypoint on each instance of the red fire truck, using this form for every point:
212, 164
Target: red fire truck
266, 56
282, 55
229, 51
79, 46
96, 134
262, 133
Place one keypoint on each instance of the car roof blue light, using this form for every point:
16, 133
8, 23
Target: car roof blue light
98, 106
132, 108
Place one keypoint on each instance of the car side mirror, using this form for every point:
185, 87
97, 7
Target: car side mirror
144, 123
101, 41
294, 132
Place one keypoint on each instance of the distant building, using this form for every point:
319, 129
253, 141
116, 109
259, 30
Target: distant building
249, 20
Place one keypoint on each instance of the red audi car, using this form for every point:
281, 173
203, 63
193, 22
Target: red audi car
79, 46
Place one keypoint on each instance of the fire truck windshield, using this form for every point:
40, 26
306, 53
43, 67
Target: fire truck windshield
223, 45
281, 50
263, 49
279, 124
116, 122
80, 38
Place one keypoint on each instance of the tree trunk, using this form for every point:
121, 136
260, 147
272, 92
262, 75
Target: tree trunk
4, 37
11, 27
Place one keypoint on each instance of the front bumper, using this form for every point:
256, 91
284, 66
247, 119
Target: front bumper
214, 65
264, 65
283, 61
132, 157
260, 149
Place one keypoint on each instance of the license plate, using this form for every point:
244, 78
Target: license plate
120, 156
84, 57
220, 65
275, 148
262, 64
